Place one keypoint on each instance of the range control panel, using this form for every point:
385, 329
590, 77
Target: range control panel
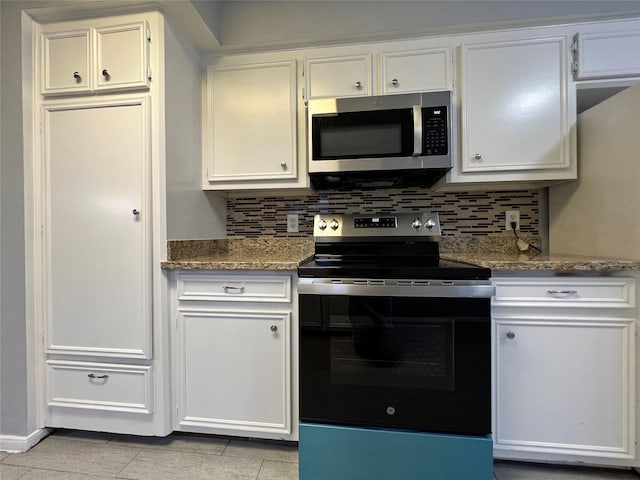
425, 224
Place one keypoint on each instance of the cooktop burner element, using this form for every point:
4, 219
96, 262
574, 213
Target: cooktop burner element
403, 245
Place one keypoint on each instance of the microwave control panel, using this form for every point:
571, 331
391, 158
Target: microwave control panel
435, 135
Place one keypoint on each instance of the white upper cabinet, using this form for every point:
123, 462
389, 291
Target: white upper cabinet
115, 57
251, 126
383, 69
607, 50
517, 111
348, 76
416, 71
66, 62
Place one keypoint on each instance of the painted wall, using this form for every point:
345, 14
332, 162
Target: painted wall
13, 333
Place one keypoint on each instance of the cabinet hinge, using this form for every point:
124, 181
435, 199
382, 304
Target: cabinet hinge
303, 69
149, 73
574, 46
148, 34
574, 67
303, 92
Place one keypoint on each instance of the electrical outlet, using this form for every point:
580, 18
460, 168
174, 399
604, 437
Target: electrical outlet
292, 222
512, 216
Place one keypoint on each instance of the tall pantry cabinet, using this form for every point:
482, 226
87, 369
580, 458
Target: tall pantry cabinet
100, 186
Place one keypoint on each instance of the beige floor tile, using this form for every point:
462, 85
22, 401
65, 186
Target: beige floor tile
267, 450
98, 437
40, 474
515, 471
153, 464
61, 454
3, 455
12, 472
185, 443
278, 471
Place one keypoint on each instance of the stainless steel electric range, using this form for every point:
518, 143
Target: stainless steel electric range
395, 353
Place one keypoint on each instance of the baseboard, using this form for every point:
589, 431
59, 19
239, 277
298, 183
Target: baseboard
17, 444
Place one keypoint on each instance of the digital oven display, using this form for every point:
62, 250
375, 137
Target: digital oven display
375, 222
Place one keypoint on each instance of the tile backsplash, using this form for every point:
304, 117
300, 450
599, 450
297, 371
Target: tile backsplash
473, 213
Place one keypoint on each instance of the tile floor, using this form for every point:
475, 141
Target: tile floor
77, 455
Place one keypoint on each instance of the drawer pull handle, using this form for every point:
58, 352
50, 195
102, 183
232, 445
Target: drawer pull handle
273, 328
233, 290
99, 377
511, 335
562, 293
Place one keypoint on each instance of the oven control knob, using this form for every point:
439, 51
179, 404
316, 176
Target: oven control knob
322, 224
334, 224
429, 224
416, 224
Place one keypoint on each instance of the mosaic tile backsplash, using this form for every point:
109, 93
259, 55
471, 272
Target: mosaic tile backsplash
474, 213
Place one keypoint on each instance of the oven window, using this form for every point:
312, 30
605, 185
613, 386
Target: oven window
390, 345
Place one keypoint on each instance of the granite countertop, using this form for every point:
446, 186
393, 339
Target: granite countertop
275, 253
238, 254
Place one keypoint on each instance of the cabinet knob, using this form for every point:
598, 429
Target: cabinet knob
273, 328
477, 157
105, 74
77, 76
395, 82
358, 85
511, 335
98, 377
283, 165
135, 211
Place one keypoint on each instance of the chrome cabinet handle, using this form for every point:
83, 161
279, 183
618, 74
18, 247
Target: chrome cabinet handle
233, 290
511, 335
283, 165
477, 157
395, 82
99, 377
135, 211
105, 74
562, 293
273, 328
358, 85
77, 76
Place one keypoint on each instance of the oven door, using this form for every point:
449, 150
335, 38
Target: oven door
404, 362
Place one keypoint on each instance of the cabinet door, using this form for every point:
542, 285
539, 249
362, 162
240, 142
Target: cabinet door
252, 122
234, 371
122, 57
97, 229
515, 114
416, 71
65, 62
564, 386
607, 54
349, 76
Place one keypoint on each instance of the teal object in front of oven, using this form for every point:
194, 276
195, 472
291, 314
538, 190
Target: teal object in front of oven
329, 452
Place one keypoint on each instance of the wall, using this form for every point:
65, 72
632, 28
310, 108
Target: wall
13, 331
476, 213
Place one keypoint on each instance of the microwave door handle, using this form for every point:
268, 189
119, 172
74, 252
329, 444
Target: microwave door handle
417, 130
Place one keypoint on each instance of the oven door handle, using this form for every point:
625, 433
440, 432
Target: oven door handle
476, 290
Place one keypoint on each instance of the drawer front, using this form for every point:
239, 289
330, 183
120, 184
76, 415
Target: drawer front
99, 386
569, 292
234, 288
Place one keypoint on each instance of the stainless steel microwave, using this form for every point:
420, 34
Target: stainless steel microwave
381, 140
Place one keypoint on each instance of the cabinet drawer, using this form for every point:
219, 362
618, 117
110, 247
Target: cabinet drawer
99, 386
570, 292
234, 288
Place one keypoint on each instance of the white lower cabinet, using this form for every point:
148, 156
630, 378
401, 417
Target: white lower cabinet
235, 342
564, 376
